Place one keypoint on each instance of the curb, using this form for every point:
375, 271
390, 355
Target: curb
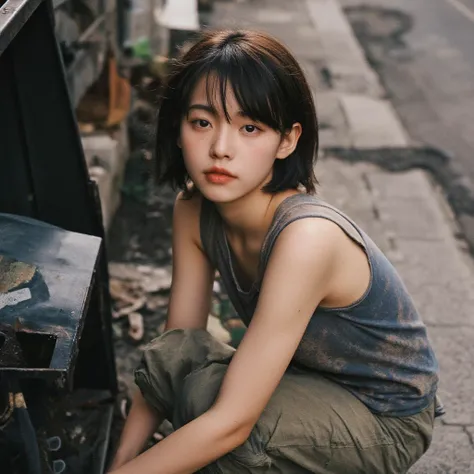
371, 120
350, 71
366, 132
357, 86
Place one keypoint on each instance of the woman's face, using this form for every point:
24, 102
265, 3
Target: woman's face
226, 160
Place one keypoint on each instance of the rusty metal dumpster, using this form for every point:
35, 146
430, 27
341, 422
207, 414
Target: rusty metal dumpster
57, 370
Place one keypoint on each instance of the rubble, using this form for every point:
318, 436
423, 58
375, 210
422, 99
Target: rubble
132, 287
136, 329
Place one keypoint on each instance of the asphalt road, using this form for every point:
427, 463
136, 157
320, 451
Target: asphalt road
424, 52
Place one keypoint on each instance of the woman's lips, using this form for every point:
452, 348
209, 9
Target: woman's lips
219, 176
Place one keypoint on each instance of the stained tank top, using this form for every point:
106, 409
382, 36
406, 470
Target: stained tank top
377, 348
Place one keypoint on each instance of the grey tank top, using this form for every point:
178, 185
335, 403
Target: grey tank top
377, 348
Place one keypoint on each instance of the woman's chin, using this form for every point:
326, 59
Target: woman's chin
219, 194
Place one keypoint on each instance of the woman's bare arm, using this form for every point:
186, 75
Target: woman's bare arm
297, 278
189, 306
141, 423
193, 275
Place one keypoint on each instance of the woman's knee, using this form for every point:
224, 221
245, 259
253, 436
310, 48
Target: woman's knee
194, 346
172, 358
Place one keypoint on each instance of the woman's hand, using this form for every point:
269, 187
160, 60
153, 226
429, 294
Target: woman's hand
141, 423
185, 451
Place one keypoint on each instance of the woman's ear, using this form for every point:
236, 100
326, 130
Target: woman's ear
289, 141
178, 142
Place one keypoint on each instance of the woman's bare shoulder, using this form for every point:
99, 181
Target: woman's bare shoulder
311, 231
187, 215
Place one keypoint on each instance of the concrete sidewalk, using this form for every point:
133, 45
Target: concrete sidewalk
403, 212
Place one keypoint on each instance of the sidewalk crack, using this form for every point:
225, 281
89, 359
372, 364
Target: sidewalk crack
368, 186
469, 435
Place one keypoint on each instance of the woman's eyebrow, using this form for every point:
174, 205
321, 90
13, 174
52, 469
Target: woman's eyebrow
213, 111
205, 107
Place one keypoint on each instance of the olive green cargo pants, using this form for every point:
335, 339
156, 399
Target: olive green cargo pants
311, 424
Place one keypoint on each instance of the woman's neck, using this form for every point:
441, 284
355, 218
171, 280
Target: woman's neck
248, 219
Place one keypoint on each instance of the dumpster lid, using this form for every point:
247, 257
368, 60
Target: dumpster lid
46, 276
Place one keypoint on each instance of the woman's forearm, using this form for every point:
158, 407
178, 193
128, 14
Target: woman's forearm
141, 422
188, 449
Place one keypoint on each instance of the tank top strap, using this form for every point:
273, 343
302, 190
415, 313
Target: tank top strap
302, 206
209, 230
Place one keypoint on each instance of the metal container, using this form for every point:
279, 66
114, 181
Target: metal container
56, 351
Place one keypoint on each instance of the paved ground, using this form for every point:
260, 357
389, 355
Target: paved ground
423, 52
403, 212
434, 65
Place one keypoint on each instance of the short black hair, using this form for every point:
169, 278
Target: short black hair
269, 86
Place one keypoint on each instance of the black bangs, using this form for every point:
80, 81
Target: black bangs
253, 83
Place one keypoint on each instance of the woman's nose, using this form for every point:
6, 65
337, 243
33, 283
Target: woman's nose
223, 144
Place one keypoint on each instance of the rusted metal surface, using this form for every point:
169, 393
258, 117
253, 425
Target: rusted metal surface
54, 269
13, 274
11, 354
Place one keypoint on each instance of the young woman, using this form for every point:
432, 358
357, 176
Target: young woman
335, 373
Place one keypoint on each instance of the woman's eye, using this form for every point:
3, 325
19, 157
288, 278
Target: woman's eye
200, 123
250, 128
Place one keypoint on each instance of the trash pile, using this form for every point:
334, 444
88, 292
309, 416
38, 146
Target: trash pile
137, 290
141, 290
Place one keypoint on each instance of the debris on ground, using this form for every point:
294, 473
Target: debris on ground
127, 310
134, 287
136, 330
